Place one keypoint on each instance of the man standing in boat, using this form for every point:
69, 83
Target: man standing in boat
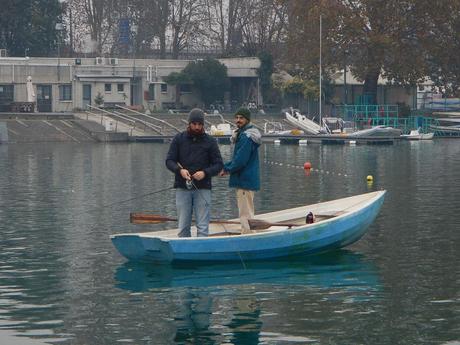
244, 166
194, 157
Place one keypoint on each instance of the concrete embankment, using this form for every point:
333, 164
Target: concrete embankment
103, 127
40, 127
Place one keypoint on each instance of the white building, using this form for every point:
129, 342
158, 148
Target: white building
67, 84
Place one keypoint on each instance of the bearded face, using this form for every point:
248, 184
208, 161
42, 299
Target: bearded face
196, 128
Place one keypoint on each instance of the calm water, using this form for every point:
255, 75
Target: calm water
62, 282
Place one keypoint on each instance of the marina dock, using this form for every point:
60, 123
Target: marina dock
131, 126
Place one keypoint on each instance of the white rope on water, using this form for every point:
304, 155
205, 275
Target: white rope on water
320, 171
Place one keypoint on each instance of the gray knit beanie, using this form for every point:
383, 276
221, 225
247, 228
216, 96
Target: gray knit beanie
196, 115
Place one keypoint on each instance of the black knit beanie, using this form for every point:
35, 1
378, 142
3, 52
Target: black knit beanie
196, 115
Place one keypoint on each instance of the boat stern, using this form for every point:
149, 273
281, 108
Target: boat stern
135, 247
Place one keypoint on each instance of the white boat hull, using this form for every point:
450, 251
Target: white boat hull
305, 124
416, 135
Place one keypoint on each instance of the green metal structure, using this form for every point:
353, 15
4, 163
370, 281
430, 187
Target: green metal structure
365, 115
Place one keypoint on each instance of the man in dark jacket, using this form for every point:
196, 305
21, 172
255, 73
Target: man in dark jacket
244, 166
194, 157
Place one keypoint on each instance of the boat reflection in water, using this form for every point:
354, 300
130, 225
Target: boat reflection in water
236, 303
337, 269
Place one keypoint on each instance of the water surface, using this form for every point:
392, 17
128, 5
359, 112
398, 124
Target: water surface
62, 282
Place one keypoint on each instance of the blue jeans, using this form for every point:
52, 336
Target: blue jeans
197, 201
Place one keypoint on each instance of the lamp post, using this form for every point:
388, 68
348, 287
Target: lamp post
345, 90
134, 83
320, 70
59, 27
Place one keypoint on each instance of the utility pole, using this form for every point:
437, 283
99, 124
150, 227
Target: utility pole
320, 70
134, 84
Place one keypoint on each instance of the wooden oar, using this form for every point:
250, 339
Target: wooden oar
259, 224
254, 224
143, 218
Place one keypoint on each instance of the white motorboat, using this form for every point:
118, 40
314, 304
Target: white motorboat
377, 131
415, 134
303, 123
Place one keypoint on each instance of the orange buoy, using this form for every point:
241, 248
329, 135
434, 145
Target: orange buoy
307, 165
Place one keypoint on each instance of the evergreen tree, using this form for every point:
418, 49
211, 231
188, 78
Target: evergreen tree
210, 77
28, 27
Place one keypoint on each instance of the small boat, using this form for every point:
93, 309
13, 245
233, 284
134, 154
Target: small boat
221, 129
377, 131
301, 121
417, 135
338, 223
276, 128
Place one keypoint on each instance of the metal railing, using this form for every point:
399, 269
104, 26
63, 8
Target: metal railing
151, 117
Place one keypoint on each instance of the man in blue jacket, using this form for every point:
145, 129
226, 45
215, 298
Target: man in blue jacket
194, 157
244, 166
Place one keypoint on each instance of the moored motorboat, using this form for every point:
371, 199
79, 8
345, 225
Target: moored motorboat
338, 223
302, 122
417, 135
377, 131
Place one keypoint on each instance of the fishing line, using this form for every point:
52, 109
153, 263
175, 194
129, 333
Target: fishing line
242, 261
207, 205
123, 201
192, 185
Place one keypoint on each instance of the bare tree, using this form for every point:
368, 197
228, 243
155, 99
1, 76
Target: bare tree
151, 19
265, 27
236, 27
184, 23
224, 20
100, 20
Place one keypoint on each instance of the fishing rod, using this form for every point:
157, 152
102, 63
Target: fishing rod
127, 200
190, 185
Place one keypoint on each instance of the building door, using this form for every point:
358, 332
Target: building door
86, 95
136, 91
44, 99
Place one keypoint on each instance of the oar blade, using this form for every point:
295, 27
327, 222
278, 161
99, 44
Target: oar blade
145, 221
258, 224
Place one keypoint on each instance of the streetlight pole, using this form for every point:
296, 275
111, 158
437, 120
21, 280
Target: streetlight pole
345, 90
59, 27
320, 70
134, 84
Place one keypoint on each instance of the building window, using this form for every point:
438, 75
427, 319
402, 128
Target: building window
65, 92
164, 88
121, 87
6, 93
6, 97
108, 88
186, 88
151, 96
